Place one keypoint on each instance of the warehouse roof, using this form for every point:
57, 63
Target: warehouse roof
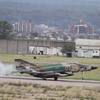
87, 42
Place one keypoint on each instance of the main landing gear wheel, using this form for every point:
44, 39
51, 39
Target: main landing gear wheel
44, 78
21, 72
55, 78
82, 78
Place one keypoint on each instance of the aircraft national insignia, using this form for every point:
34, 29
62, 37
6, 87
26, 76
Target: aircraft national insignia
66, 68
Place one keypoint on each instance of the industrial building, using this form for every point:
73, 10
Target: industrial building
84, 47
41, 47
88, 48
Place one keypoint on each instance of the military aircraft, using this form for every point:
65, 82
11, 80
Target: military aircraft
51, 70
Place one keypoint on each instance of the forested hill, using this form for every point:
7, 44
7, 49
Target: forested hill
59, 2
52, 15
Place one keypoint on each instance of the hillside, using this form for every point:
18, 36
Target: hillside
52, 15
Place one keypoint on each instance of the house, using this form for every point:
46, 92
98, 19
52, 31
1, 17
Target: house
96, 54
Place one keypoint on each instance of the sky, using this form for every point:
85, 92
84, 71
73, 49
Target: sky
65, 2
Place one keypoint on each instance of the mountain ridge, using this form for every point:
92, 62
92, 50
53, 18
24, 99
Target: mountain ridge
51, 15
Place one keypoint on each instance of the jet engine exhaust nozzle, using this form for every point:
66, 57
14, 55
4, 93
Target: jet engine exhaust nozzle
92, 67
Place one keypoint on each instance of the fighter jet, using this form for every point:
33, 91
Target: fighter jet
51, 70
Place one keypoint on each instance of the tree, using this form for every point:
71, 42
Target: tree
73, 38
5, 30
34, 34
54, 34
65, 37
68, 48
48, 38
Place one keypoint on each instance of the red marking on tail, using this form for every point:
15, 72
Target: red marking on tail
20, 64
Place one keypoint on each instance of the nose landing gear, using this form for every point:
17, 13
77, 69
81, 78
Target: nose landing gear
82, 76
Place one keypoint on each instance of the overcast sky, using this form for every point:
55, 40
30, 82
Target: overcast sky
60, 2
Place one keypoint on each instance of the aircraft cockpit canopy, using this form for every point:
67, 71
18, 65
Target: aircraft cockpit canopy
74, 63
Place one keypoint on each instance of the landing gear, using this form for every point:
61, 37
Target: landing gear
55, 78
21, 72
44, 78
82, 76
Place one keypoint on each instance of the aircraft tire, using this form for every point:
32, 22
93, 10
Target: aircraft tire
21, 72
44, 78
82, 78
55, 78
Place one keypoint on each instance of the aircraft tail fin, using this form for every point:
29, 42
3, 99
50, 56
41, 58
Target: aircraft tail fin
25, 67
23, 62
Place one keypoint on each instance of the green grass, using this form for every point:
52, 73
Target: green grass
90, 75
52, 59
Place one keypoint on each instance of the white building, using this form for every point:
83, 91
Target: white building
88, 48
45, 50
23, 27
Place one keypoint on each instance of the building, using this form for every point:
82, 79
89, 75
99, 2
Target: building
41, 47
87, 48
41, 28
80, 29
21, 27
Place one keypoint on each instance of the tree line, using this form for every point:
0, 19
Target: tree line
58, 16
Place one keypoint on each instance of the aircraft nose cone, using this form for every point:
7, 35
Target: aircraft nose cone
92, 67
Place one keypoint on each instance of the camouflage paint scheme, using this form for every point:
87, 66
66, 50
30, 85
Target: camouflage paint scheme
51, 70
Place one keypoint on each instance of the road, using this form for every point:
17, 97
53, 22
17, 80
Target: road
63, 82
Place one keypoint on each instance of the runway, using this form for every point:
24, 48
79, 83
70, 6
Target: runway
63, 82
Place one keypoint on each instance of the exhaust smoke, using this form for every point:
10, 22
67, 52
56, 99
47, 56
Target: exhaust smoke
6, 69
